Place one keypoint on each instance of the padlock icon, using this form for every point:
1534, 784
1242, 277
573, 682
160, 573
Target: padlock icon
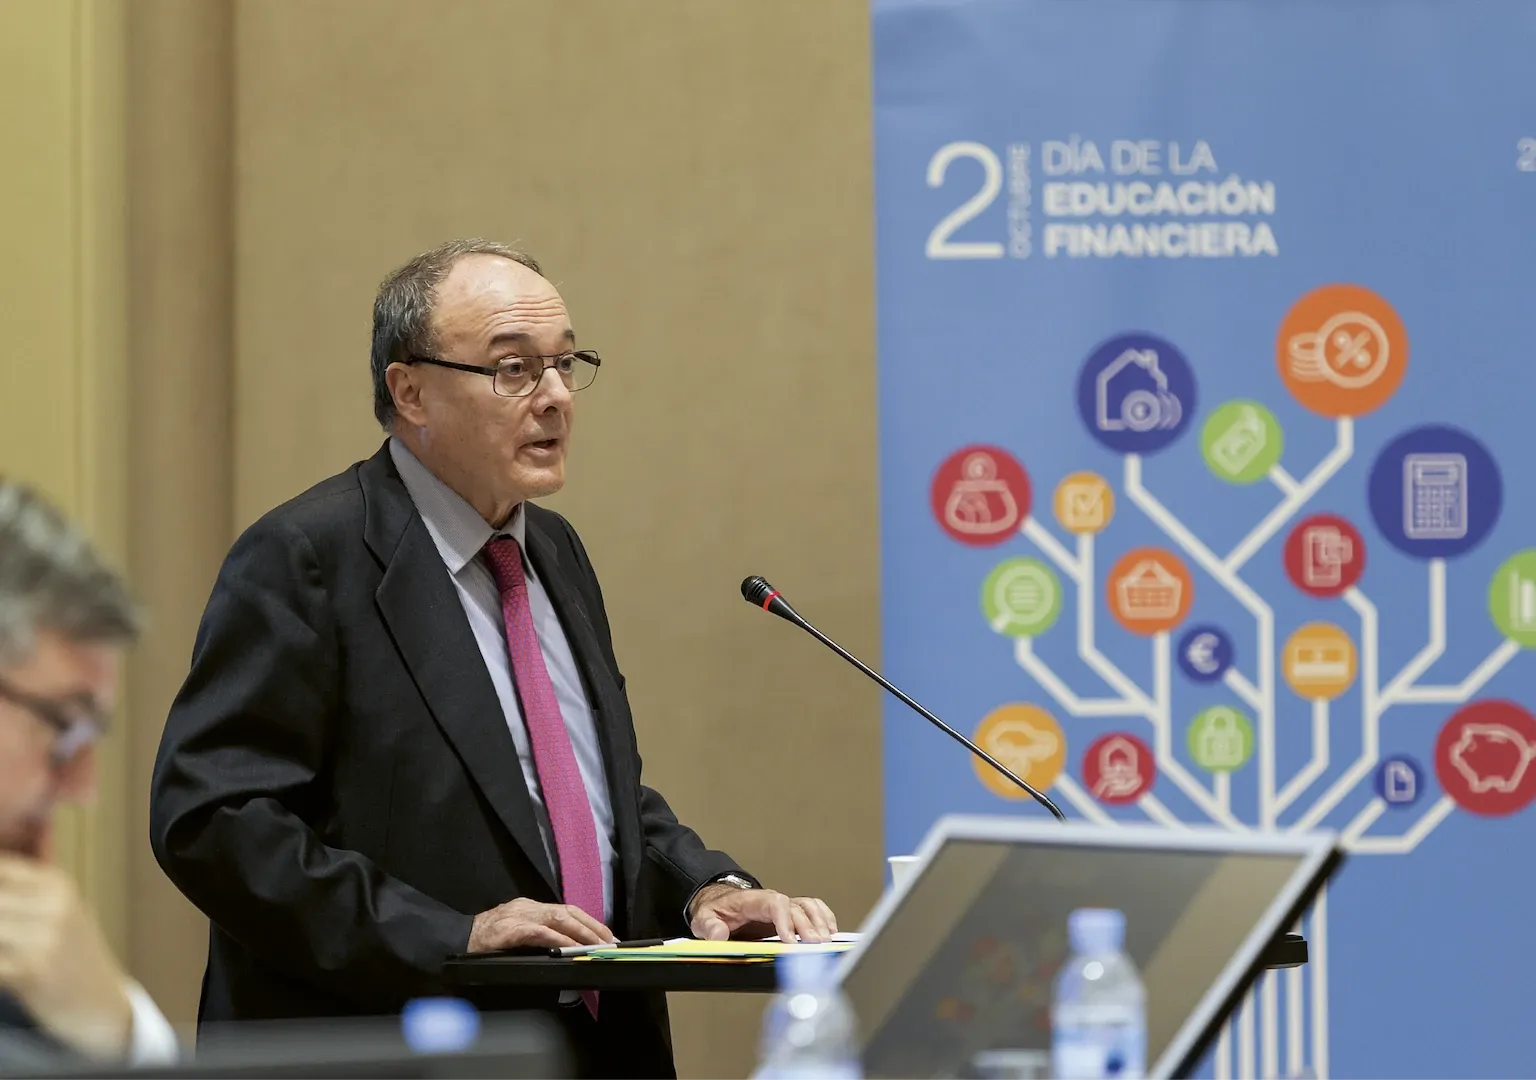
1221, 741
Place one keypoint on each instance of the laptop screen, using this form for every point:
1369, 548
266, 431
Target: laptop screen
963, 961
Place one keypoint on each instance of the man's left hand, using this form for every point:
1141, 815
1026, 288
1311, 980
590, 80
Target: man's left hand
723, 911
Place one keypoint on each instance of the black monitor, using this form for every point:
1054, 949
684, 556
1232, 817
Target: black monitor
958, 962
507, 1045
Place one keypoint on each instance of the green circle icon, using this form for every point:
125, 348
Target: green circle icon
1220, 739
1021, 597
1241, 442
1512, 598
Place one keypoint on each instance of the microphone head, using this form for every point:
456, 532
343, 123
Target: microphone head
755, 590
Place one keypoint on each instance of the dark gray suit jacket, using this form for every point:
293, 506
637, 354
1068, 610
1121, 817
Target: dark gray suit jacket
337, 790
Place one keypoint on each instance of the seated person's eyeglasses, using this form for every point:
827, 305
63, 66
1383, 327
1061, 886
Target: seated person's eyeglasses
76, 722
516, 376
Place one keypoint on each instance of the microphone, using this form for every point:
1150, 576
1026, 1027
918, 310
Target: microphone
757, 592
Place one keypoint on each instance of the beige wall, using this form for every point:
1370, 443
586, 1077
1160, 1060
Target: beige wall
62, 425
695, 174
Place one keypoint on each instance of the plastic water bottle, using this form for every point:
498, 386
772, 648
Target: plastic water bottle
1099, 1011
809, 1029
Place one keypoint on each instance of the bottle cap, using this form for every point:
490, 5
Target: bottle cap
806, 969
439, 1025
1096, 930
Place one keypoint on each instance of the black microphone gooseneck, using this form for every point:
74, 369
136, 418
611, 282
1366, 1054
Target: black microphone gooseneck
759, 593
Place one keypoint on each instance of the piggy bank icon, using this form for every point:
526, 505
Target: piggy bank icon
1492, 757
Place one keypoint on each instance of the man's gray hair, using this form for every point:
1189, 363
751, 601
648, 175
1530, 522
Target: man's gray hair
51, 579
402, 310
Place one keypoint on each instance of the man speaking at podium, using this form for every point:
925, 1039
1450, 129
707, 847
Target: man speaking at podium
405, 734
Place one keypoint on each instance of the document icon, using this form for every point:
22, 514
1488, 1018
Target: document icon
1083, 505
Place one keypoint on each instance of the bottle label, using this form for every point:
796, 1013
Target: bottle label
848, 1071
1099, 1052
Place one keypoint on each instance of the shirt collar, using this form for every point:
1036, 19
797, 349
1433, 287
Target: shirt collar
457, 528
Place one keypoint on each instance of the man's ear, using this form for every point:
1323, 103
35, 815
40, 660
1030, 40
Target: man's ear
406, 390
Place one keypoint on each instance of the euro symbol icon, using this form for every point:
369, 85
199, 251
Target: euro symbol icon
1201, 653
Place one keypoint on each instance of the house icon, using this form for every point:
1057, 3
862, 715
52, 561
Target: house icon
1149, 591
1121, 404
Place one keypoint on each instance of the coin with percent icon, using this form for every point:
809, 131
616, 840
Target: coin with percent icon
1084, 503
980, 495
1324, 555
1220, 739
1021, 597
1399, 781
1205, 653
1485, 757
1342, 350
1136, 393
1512, 598
1119, 768
1241, 442
1318, 661
1435, 492
1027, 740
1150, 590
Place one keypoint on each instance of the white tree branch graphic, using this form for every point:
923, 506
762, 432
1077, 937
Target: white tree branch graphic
1258, 692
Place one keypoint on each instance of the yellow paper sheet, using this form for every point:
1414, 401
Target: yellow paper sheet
690, 949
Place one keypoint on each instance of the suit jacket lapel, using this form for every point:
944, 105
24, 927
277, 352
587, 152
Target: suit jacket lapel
623, 793
420, 605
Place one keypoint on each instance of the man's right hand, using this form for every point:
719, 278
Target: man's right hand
523, 922
55, 961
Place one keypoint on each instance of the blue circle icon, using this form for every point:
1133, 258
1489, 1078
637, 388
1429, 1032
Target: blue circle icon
1399, 781
1435, 492
1205, 653
1136, 393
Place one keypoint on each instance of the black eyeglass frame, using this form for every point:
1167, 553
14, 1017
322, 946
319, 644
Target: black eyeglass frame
72, 733
587, 356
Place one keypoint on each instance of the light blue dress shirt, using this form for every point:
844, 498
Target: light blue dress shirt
460, 533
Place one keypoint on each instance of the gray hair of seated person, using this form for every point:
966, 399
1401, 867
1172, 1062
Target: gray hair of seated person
52, 579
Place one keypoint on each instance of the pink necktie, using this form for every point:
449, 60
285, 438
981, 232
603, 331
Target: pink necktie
565, 794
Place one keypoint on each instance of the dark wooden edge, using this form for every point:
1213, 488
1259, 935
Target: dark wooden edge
677, 976
682, 976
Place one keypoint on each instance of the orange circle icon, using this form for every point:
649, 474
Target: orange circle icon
1342, 350
1026, 739
1319, 661
1084, 503
1150, 590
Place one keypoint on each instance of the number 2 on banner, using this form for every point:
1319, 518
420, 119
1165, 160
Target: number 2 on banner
1525, 163
940, 246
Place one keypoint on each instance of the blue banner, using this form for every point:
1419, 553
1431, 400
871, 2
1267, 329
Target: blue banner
1204, 393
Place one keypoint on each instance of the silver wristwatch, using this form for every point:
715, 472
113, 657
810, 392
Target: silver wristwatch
733, 879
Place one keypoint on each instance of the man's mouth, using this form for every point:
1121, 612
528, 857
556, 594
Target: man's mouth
543, 444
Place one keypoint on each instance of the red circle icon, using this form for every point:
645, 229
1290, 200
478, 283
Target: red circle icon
1119, 769
1324, 555
980, 495
1485, 757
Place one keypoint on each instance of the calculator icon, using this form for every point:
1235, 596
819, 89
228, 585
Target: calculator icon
1435, 496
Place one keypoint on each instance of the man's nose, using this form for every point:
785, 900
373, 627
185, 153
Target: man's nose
550, 391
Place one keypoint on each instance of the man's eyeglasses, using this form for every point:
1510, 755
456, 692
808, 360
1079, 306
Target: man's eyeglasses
75, 725
516, 376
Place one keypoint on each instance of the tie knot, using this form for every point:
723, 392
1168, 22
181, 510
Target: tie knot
505, 558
